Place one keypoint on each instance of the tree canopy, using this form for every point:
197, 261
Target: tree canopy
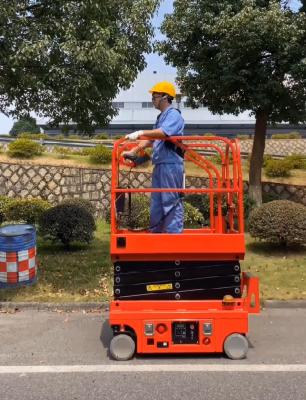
67, 60
26, 124
234, 56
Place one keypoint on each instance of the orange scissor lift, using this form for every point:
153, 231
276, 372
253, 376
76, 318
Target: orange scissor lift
211, 316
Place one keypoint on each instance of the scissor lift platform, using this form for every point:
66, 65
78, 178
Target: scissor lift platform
198, 318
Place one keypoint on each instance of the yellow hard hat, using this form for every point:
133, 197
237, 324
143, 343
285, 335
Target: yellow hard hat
164, 87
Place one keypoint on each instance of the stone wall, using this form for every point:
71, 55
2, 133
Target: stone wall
278, 147
55, 183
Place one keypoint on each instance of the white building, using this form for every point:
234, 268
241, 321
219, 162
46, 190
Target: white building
136, 109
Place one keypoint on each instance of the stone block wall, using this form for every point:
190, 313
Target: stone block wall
277, 147
55, 183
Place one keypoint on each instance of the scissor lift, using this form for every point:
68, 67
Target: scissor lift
184, 293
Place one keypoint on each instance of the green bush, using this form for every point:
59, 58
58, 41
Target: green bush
279, 221
277, 168
266, 159
59, 137
202, 203
88, 205
64, 152
192, 216
24, 148
243, 137
101, 136
4, 202
67, 223
32, 136
139, 217
25, 210
100, 155
296, 161
290, 135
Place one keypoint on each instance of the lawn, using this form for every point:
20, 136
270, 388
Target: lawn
84, 273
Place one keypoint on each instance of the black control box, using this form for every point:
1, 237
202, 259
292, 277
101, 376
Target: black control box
185, 332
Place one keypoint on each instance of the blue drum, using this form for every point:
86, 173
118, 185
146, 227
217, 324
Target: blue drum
18, 264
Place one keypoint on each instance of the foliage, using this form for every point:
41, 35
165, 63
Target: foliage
277, 168
100, 155
138, 217
4, 202
25, 124
84, 203
192, 216
64, 152
24, 148
101, 136
67, 60
67, 223
234, 56
33, 136
279, 221
296, 161
243, 137
25, 210
292, 135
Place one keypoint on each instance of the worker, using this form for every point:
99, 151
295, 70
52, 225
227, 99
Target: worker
167, 213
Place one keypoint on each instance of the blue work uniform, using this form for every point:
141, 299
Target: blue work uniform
167, 212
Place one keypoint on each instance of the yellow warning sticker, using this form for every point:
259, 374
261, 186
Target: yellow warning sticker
164, 286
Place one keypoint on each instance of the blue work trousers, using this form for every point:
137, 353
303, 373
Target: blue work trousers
167, 211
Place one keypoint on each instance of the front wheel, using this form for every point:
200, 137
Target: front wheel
122, 347
236, 346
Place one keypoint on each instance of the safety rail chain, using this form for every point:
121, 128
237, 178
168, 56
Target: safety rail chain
227, 182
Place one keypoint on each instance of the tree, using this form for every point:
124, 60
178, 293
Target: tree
234, 56
25, 124
303, 7
68, 59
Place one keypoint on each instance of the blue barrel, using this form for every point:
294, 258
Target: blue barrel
18, 262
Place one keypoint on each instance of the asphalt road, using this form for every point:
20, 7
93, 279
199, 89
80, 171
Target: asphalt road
58, 355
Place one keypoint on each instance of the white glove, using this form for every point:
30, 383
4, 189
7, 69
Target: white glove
134, 135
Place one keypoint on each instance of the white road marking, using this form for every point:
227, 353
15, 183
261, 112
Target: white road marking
123, 367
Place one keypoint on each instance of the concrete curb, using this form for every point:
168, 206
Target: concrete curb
104, 306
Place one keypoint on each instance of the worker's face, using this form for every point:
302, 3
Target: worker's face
157, 100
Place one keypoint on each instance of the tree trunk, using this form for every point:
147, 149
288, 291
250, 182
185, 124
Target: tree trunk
256, 161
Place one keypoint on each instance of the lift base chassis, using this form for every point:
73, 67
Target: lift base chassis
199, 326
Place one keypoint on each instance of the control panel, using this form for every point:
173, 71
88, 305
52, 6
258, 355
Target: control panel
185, 332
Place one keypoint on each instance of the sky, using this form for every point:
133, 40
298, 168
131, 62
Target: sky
154, 61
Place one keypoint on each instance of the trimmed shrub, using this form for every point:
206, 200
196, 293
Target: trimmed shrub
24, 148
192, 216
290, 135
100, 155
67, 223
25, 210
32, 136
201, 203
243, 137
63, 152
277, 168
101, 136
266, 159
279, 221
296, 161
88, 205
4, 202
139, 218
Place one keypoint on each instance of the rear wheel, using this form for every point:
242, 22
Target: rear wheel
122, 347
236, 346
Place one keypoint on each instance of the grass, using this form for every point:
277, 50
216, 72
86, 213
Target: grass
84, 273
